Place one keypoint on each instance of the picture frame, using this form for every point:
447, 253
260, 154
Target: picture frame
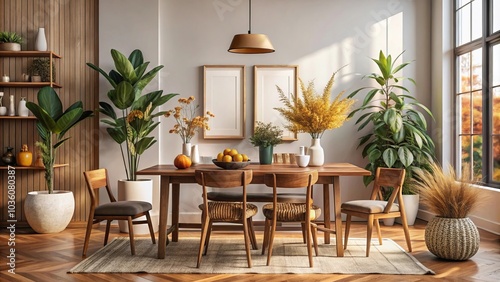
266, 97
224, 95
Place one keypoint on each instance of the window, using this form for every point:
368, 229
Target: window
477, 91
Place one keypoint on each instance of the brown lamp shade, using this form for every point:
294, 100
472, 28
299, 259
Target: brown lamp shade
251, 43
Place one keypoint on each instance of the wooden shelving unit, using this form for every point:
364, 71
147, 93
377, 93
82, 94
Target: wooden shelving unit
18, 117
31, 54
32, 167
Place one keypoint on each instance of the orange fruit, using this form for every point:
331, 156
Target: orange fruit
238, 158
220, 156
233, 152
227, 158
227, 151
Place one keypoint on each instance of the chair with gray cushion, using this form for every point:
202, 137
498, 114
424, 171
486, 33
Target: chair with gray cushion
114, 210
376, 208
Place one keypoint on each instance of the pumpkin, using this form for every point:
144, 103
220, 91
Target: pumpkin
182, 161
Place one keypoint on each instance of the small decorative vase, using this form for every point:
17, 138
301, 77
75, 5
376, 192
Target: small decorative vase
12, 107
3, 111
316, 152
266, 155
8, 157
195, 155
186, 149
41, 41
22, 110
39, 161
24, 157
452, 238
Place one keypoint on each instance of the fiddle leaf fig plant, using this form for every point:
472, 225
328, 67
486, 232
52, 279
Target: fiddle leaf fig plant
52, 125
399, 136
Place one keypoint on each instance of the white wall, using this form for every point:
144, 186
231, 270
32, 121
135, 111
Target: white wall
318, 35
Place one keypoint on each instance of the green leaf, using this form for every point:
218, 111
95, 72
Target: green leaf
136, 58
49, 101
389, 157
44, 119
67, 120
405, 156
369, 96
94, 67
107, 110
117, 134
398, 68
352, 94
374, 155
124, 95
144, 144
147, 78
393, 119
123, 66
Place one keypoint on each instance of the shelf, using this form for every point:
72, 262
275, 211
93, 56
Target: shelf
29, 54
18, 117
32, 167
29, 84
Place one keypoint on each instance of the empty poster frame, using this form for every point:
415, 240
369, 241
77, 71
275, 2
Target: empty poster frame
266, 97
224, 95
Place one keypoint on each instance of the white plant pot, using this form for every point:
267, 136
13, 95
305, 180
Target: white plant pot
140, 190
388, 221
411, 207
49, 213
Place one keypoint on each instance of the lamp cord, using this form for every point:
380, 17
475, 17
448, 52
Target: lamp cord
249, 16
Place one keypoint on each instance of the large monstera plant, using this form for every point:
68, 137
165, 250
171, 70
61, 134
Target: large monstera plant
135, 121
399, 136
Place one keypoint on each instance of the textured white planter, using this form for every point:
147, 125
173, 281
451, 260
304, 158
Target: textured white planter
10, 46
388, 221
140, 190
411, 207
49, 213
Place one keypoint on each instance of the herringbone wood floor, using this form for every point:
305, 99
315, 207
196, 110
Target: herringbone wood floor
47, 257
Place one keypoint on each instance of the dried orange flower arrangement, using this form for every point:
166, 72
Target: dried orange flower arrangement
187, 122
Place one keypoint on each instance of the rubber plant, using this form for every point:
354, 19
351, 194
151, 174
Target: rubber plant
399, 136
136, 112
52, 125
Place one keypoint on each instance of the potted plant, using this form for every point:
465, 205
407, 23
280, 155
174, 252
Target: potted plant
450, 234
40, 70
51, 211
10, 41
399, 136
133, 121
266, 136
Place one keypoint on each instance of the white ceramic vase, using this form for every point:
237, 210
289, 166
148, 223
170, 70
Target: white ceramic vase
195, 154
186, 149
316, 152
41, 41
22, 110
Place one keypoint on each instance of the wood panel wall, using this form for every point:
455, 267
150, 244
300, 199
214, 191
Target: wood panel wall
71, 28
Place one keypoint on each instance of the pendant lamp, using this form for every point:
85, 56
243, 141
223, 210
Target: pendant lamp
250, 43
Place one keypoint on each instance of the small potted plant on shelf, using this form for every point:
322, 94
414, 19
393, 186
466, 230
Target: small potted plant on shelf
40, 70
10, 41
266, 136
450, 234
51, 211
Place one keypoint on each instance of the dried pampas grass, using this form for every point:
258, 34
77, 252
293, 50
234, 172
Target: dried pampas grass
445, 195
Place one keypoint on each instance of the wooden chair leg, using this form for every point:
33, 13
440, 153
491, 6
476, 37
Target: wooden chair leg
369, 230
347, 229
150, 226
407, 232
204, 228
247, 242
131, 235
271, 242
87, 234
379, 233
314, 233
251, 230
265, 242
308, 239
207, 240
303, 225
106, 234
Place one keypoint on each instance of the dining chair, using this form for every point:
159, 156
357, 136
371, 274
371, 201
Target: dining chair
303, 212
377, 208
114, 210
238, 211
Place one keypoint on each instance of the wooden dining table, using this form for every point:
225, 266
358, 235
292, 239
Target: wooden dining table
328, 175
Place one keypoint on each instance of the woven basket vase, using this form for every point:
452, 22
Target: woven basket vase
452, 238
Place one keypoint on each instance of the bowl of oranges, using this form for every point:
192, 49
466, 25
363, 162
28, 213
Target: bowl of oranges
231, 159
